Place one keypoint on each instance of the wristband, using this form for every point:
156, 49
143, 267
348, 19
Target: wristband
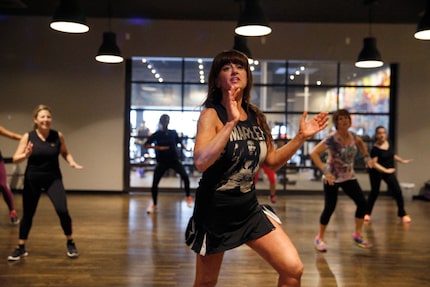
325, 170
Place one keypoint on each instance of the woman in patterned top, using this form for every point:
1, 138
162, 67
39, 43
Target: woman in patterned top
232, 140
339, 172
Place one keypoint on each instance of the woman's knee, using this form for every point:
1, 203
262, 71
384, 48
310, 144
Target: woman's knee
292, 271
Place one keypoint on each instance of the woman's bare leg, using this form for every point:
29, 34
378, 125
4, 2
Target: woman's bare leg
207, 269
278, 250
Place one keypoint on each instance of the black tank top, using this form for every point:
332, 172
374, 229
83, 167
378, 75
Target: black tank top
43, 162
235, 169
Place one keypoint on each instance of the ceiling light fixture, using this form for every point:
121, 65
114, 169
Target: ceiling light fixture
423, 28
109, 51
252, 21
369, 56
69, 18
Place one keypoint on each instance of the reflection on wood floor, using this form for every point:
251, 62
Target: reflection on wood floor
120, 245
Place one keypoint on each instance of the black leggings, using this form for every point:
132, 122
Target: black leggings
30, 199
159, 171
352, 189
393, 186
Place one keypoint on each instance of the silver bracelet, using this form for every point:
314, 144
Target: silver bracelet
366, 158
325, 170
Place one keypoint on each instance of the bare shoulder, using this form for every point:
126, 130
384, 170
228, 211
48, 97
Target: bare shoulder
209, 120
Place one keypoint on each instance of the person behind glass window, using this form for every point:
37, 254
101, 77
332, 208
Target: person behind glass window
165, 142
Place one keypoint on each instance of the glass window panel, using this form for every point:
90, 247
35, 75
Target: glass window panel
269, 72
178, 87
156, 96
353, 76
312, 73
155, 69
194, 95
311, 99
365, 100
196, 70
268, 98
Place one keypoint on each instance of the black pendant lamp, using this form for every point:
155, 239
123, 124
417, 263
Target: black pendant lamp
423, 28
109, 51
69, 18
252, 21
369, 56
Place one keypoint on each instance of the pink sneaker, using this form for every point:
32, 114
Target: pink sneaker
189, 201
14, 220
273, 198
406, 219
360, 242
320, 244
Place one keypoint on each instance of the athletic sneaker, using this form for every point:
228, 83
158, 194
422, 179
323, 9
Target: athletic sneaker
17, 254
273, 198
360, 242
72, 252
406, 219
189, 201
151, 209
320, 244
14, 220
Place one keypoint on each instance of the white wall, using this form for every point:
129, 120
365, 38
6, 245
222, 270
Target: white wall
38, 65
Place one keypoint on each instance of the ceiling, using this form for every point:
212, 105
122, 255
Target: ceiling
314, 11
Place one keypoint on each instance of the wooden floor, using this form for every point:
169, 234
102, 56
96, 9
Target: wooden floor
120, 245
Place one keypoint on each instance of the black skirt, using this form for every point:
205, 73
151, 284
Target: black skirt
228, 220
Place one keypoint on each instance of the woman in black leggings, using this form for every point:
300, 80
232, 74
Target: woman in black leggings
342, 145
41, 147
383, 157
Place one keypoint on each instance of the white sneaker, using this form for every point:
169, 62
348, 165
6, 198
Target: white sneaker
151, 209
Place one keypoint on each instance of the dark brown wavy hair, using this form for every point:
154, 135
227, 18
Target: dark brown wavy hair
215, 94
338, 113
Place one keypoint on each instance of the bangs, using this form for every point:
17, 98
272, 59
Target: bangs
234, 57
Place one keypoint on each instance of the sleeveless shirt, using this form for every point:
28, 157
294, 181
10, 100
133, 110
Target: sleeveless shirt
43, 162
226, 211
341, 156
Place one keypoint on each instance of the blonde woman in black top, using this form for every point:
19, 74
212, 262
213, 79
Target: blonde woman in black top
41, 148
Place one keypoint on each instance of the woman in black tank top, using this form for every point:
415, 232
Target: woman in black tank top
232, 140
41, 148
